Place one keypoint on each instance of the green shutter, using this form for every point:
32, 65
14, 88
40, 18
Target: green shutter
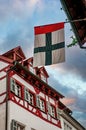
13, 125
27, 95
38, 101
12, 85
48, 107
58, 111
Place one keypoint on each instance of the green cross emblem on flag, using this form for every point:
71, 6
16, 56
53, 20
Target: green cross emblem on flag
47, 42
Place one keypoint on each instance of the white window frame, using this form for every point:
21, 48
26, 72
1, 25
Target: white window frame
67, 126
42, 105
15, 125
15, 88
31, 69
29, 96
33, 129
43, 77
52, 111
26, 93
12, 85
48, 108
38, 101
18, 90
58, 112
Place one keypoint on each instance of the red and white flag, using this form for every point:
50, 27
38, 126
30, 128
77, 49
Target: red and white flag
49, 46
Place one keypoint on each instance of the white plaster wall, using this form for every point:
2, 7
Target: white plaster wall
3, 85
62, 123
2, 74
31, 121
2, 116
2, 90
2, 106
2, 64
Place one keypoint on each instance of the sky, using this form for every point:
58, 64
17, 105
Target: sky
17, 21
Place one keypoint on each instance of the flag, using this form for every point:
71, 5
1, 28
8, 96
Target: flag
49, 44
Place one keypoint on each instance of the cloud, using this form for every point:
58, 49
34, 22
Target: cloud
18, 9
74, 99
18, 17
69, 79
68, 101
18, 20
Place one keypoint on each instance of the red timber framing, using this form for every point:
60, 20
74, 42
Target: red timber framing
24, 97
3, 74
39, 86
3, 97
40, 72
15, 54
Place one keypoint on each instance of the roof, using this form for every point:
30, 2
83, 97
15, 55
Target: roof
64, 108
5, 59
76, 13
72, 120
44, 70
18, 52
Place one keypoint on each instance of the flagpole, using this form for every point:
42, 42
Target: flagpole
76, 20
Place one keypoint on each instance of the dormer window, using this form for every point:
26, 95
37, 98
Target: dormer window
43, 74
43, 77
31, 69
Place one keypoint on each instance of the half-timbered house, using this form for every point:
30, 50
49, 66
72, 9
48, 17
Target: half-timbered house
27, 101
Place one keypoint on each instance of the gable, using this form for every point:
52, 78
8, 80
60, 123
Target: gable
44, 72
15, 54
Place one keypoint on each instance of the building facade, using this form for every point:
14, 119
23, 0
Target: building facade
27, 102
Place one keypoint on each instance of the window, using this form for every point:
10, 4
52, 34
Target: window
67, 127
40, 103
17, 126
32, 69
18, 90
31, 100
12, 84
33, 129
29, 97
43, 77
51, 110
26, 95
15, 88
58, 112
